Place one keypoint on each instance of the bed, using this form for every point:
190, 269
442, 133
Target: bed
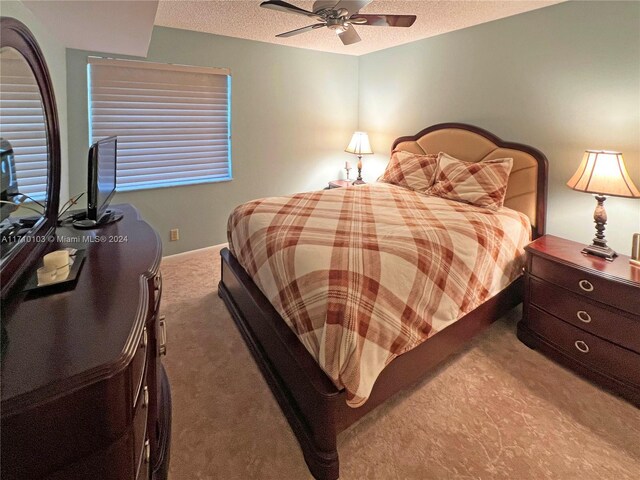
321, 397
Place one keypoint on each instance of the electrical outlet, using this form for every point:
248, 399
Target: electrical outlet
174, 234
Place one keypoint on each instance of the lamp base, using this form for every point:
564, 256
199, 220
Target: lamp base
599, 246
359, 181
603, 252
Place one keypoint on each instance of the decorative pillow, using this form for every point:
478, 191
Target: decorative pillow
483, 184
410, 170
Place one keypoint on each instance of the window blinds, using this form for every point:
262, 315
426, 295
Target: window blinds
23, 124
172, 121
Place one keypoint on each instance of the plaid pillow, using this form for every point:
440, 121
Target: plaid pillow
483, 184
410, 170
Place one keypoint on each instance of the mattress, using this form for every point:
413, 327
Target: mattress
366, 273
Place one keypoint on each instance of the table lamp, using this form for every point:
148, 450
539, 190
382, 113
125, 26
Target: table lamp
602, 173
359, 145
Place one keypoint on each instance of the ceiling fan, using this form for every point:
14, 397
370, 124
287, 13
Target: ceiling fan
339, 16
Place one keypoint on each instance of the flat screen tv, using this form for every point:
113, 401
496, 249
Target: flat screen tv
101, 185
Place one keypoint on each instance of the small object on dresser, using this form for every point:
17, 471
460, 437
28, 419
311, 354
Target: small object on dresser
54, 276
347, 168
57, 259
635, 251
46, 275
56, 267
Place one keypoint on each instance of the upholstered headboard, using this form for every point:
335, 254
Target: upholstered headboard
527, 187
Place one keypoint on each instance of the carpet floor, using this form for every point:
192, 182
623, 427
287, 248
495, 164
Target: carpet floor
496, 410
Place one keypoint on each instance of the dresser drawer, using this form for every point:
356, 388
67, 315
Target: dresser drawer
617, 326
591, 286
140, 426
591, 351
110, 463
155, 287
138, 365
143, 472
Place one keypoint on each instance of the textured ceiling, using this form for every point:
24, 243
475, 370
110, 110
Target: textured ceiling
245, 19
121, 27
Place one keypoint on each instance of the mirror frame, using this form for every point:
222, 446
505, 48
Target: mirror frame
16, 35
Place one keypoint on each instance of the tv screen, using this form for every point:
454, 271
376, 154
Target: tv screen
102, 176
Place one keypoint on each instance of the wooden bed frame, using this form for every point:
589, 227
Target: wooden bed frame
315, 408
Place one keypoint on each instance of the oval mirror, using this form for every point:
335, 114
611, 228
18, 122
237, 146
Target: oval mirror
23, 151
29, 154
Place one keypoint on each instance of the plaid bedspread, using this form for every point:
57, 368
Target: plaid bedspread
363, 274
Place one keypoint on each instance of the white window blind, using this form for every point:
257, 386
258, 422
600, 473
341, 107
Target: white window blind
23, 125
172, 121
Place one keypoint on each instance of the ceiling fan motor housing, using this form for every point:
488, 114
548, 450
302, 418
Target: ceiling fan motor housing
336, 24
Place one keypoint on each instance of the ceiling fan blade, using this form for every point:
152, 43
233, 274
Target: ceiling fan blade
349, 36
287, 7
323, 5
383, 20
352, 6
302, 30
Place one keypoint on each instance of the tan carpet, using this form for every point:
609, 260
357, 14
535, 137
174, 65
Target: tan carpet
497, 410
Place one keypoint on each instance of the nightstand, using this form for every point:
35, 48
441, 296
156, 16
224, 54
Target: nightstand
584, 312
339, 184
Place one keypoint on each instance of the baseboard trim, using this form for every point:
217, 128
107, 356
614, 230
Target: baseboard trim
184, 255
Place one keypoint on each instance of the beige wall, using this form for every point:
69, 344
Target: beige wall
54, 53
563, 79
293, 113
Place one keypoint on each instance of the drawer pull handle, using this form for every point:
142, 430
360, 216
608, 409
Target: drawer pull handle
586, 285
147, 451
145, 397
581, 346
583, 316
162, 348
143, 343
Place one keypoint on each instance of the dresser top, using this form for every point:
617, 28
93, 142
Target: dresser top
67, 339
569, 252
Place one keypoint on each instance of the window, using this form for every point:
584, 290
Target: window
172, 121
23, 124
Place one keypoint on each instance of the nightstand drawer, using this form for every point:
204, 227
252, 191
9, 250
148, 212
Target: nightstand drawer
594, 287
616, 326
591, 351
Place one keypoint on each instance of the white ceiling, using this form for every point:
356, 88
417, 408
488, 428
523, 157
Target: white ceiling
122, 27
245, 19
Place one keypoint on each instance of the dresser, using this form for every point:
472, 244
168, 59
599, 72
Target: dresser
584, 313
84, 392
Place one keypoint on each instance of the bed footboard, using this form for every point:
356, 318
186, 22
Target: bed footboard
315, 409
305, 394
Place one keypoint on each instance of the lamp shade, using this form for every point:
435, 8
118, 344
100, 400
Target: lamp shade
359, 144
603, 173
